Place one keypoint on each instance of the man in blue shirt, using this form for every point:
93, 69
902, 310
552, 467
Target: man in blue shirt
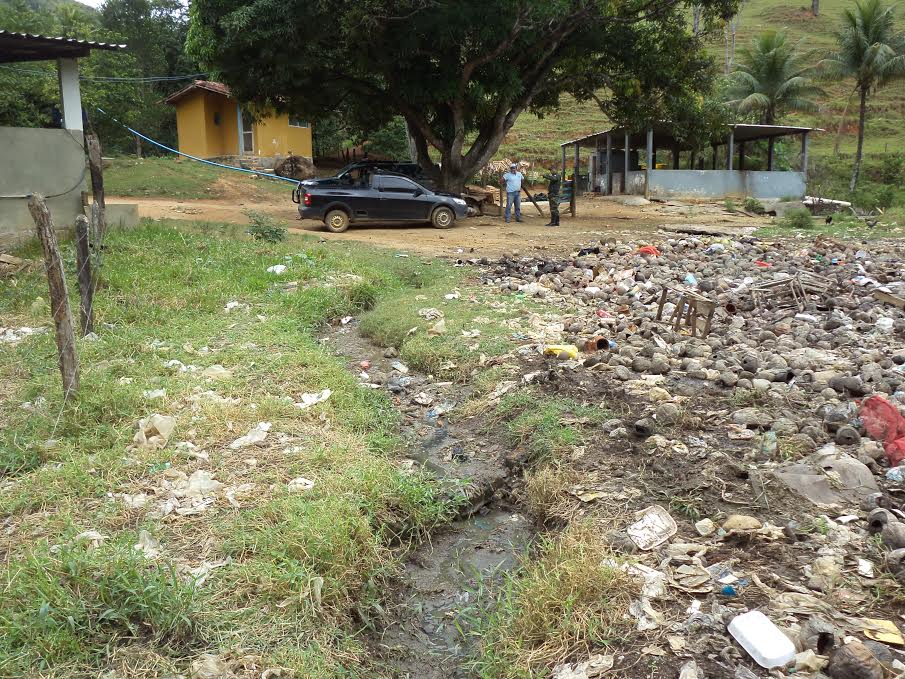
513, 180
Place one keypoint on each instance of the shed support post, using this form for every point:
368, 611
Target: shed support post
68, 70
650, 161
770, 145
575, 179
741, 156
804, 155
730, 149
628, 160
713, 157
563, 166
609, 164
675, 157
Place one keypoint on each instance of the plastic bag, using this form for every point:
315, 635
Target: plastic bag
883, 422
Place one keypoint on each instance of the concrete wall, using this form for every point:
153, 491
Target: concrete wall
48, 162
725, 184
190, 118
274, 137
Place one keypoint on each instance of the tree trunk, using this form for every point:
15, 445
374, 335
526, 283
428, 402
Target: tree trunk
696, 12
848, 103
815, 7
862, 114
410, 140
138, 146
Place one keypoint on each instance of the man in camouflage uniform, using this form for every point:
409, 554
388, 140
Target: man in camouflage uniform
553, 185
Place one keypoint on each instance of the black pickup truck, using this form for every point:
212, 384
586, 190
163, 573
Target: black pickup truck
383, 197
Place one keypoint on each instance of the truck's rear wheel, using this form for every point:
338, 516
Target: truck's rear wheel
337, 221
443, 218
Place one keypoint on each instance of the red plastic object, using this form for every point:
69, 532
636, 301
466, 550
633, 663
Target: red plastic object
883, 422
760, 262
649, 250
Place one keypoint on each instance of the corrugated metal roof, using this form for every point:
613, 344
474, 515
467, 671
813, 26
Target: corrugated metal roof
741, 132
209, 85
33, 47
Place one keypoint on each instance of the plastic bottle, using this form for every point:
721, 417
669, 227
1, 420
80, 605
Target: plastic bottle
762, 640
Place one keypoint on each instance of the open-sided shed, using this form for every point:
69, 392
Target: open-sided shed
47, 161
654, 163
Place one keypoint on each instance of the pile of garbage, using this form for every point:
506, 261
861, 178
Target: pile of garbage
761, 388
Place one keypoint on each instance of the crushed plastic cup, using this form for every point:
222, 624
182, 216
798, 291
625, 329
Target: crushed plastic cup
653, 526
762, 640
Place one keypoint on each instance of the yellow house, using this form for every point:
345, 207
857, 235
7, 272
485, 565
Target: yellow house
211, 123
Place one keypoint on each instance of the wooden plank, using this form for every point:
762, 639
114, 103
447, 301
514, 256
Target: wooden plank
887, 298
531, 198
83, 266
59, 297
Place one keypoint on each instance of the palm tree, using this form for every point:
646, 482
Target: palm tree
772, 78
872, 52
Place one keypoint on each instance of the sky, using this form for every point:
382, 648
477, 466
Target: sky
92, 3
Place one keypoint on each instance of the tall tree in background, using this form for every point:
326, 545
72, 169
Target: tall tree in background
459, 73
871, 51
772, 77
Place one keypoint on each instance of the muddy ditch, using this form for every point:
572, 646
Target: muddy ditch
445, 578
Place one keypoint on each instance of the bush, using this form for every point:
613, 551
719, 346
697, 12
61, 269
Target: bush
892, 169
265, 228
754, 205
797, 218
872, 196
730, 205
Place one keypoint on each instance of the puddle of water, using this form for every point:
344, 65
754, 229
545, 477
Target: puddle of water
446, 579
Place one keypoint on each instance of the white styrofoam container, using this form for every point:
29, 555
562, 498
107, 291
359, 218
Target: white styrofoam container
763, 640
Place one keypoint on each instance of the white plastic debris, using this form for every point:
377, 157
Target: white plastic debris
154, 393
217, 372
422, 398
154, 431
653, 526
147, 545
92, 537
399, 366
14, 335
313, 398
137, 501
255, 435
471, 334
198, 485
209, 666
234, 305
591, 668
762, 640
276, 269
430, 313
300, 485
690, 670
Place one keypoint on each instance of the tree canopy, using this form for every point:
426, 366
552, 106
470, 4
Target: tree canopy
460, 73
773, 77
872, 52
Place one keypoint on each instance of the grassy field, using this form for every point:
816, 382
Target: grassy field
538, 139
174, 177
112, 559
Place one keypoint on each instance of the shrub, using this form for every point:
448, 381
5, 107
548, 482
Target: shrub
729, 204
265, 228
797, 218
754, 205
870, 196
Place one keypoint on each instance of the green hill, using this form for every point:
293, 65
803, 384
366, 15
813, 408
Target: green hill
535, 138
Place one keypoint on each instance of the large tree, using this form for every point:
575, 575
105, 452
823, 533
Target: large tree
871, 51
773, 76
460, 73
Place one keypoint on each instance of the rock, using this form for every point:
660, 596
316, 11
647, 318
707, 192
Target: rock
820, 635
884, 523
760, 386
751, 418
847, 435
645, 427
641, 364
750, 363
854, 661
705, 527
667, 413
390, 352
659, 394
825, 573
741, 522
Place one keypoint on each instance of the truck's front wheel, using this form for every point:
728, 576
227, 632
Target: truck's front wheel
337, 221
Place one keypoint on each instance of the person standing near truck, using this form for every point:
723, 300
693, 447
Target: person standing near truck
554, 183
513, 181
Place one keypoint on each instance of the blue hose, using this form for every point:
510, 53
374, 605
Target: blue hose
196, 158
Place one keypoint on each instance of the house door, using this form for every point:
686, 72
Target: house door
246, 133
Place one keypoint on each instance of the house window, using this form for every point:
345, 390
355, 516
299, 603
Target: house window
297, 122
216, 117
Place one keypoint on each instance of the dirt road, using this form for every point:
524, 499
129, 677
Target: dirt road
598, 217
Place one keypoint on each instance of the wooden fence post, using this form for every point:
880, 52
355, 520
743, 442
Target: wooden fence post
59, 297
85, 278
95, 165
